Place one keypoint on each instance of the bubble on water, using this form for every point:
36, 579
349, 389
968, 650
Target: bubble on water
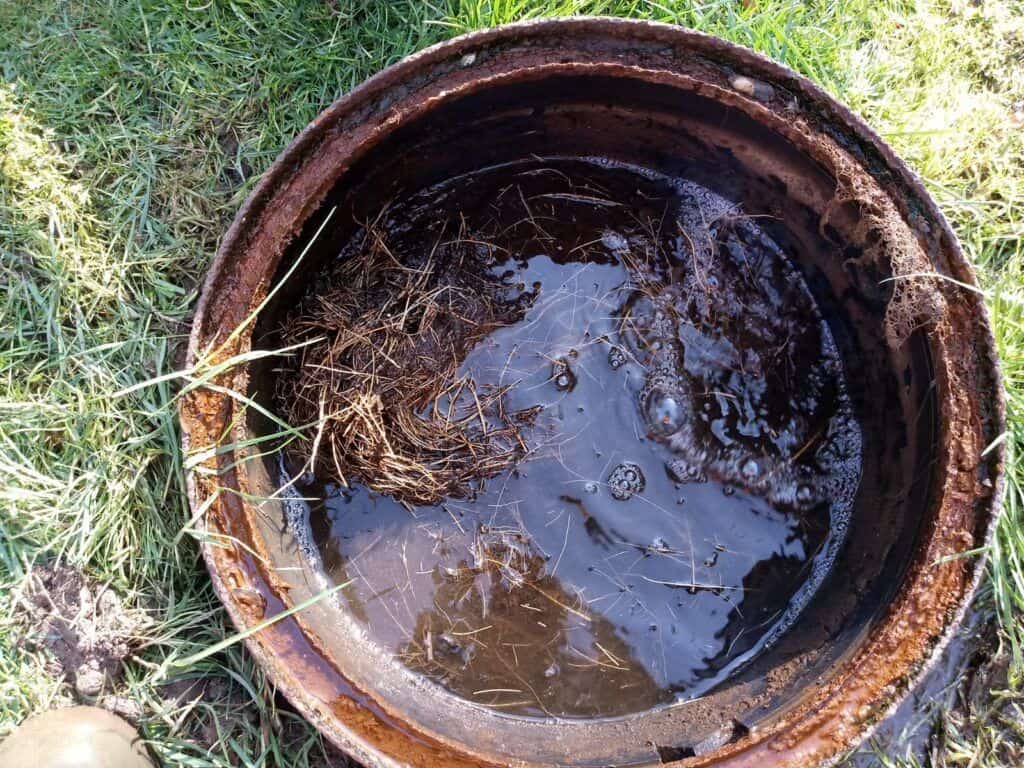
614, 242
562, 375
683, 471
590, 487
782, 491
626, 480
664, 412
296, 512
804, 495
728, 490
551, 671
446, 643
616, 358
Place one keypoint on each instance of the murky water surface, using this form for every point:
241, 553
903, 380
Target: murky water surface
685, 483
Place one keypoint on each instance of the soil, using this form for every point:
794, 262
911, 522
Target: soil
88, 634
84, 626
685, 475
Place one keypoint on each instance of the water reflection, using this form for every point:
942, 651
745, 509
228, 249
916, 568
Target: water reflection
677, 505
565, 616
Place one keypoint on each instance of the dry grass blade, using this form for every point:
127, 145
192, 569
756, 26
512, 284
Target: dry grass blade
384, 375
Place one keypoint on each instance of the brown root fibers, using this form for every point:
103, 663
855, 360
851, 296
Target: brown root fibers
379, 375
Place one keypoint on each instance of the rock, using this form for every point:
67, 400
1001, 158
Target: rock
755, 89
78, 737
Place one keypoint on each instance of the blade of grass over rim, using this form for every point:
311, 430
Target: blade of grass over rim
227, 642
273, 291
209, 372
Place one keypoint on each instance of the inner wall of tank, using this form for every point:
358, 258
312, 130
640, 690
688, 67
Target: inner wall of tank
690, 136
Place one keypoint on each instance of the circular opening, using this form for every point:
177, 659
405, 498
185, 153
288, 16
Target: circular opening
680, 429
591, 446
717, 449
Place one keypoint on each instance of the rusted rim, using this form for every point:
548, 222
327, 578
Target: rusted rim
846, 709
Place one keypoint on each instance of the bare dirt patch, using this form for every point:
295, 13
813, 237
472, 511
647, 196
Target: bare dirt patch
82, 624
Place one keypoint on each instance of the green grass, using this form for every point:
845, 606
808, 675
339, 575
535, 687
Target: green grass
131, 131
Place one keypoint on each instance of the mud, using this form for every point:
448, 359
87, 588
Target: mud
685, 480
85, 628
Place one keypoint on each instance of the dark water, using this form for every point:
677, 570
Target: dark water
684, 486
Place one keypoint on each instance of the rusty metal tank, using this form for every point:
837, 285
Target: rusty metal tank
863, 231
